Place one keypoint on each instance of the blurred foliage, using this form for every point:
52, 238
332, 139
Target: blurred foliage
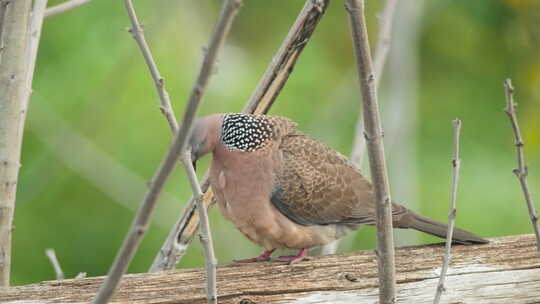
91, 81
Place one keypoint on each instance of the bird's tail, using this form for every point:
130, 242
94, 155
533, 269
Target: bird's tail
421, 223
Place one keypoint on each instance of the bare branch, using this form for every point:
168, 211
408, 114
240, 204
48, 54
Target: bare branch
282, 64
16, 73
165, 106
521, 171
260, 102
66, 6
456, 163
206, 235
56, 265
381, 53
374, 138
141, 221
12, 93
137, 31
166, 109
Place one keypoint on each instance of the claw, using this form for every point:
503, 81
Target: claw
264, 257
293, 259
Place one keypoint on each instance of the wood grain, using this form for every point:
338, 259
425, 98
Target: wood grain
507, 270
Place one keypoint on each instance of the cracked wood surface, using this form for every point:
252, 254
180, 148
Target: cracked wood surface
507, 270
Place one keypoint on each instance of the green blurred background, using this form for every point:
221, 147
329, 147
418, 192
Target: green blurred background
95, 135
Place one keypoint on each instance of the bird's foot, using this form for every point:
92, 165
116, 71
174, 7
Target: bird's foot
295, 258
265, 256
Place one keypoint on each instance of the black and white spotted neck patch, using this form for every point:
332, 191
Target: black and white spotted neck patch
245, 132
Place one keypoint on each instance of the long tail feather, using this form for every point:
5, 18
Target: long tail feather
421, 223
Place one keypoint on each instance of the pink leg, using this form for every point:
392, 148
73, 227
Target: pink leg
265, 256
293, 259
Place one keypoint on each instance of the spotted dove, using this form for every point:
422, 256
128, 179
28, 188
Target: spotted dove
284, 189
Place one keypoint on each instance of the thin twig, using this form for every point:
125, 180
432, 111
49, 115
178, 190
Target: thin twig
381, 53
166, 109
206, 235
260, 102
141, 221
136, 31
165, 105
374, 136
521, 171
456, 163
12, 93
56, 265
66, 6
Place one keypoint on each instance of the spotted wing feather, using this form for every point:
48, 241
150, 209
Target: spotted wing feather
316, 185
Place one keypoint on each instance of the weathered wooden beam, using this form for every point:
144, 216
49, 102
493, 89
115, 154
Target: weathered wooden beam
507, 270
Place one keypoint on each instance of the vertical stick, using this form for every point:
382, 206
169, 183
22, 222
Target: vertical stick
17, 65
142, 219
521, 171
205, 235
381, 53
374, 136
13, 66
456, 163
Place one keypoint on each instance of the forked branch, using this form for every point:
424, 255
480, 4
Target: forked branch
167, 111
521, 171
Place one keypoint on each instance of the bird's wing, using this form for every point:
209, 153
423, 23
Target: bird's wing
315, 185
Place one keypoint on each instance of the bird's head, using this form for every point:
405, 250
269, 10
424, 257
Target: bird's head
205, 136
237, 132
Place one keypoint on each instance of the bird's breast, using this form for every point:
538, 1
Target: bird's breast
243, 185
